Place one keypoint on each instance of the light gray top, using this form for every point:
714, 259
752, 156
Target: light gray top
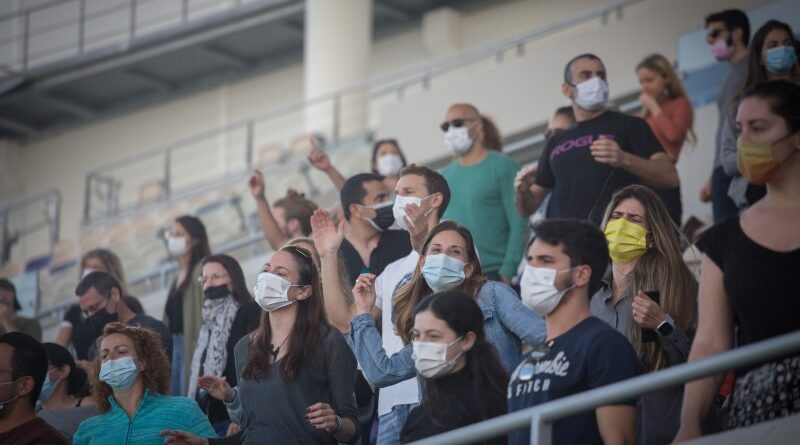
732, 85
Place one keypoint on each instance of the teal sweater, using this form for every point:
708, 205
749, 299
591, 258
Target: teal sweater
156, 412
482, 200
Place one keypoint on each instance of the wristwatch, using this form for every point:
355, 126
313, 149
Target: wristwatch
666, 327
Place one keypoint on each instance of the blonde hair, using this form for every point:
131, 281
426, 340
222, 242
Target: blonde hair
660, 269
111, 262
661, 66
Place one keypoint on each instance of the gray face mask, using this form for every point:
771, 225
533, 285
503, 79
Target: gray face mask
591, 94
430, 359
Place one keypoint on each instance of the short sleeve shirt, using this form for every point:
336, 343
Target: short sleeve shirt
588, 356
581, 186
83, 335
392, 245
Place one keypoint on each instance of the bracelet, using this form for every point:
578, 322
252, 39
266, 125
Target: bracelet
338, 425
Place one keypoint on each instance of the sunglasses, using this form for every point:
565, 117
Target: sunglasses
457, 123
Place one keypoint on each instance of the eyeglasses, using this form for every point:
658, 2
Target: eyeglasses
457, 123
216, 276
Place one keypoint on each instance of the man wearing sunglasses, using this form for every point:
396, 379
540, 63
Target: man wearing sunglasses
727, 38
604, 151
481, 181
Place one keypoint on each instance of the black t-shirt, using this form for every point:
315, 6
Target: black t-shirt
761, 284
582, 187
590, 355
392, 245
174, 310
33, 432
82, 333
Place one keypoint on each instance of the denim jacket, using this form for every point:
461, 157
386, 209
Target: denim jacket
506, 322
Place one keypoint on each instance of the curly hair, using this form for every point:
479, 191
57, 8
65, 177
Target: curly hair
155, 377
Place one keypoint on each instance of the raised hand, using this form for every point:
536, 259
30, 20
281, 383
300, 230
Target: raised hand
327, 237
364, 293
256, 184
318, 158
217, 387
416, 219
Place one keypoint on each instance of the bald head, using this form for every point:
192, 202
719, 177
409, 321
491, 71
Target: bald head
464, 111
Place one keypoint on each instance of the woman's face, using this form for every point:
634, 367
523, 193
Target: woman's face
96, 264
774, 39
429, 329
214, 274
452, 244
385, 149
116, 346
756, 122
651, 82
631, 210
284, 265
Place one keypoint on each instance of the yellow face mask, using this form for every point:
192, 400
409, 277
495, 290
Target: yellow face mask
626, 241
755, 160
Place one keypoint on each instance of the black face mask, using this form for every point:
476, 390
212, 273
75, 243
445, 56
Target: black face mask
221, 291
384, 217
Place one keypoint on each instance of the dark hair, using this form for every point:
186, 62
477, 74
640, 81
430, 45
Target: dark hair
375, 148
298, 207
582, 241
733, 18
7, 285
309, 326
566, 111
102, 281
59, 356
28, 359
240, 292
407, 296
784, 100
489, 379
756, 71
492, 139
434, 182
568, 67
133, 304
353, 191
195, 228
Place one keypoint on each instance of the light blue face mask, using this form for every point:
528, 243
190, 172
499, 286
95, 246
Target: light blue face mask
781, 59
443, 272
48, 387
119, 374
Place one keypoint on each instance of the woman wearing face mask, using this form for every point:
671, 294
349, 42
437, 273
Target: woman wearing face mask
387, 161
749, 268
130, 380
462, 379
229, 313
296, 372
74, 329
62, 401
450, 262
187, 242
646, 261
773, 56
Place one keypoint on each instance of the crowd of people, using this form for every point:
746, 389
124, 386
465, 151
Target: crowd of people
420, 304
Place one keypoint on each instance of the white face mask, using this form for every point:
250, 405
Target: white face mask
591, 94
271, 291
399, 208
389, 164
458, 140
177, 246
538, 289
430, 359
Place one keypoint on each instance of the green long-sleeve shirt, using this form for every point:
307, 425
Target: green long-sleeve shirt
482, 200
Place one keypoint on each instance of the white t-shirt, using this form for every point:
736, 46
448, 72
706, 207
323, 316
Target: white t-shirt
405, 392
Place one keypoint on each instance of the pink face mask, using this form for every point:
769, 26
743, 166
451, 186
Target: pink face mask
721, 50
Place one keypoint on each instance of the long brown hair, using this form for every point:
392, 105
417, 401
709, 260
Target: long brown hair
409, 295
756, 71
492, 139
661, 66
661, 269
311, 323
195, 229
154, 376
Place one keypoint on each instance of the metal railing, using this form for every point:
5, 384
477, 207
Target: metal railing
541, 418
393, 83
50, 220
80, 19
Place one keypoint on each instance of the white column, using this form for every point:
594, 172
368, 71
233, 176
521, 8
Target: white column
338, 37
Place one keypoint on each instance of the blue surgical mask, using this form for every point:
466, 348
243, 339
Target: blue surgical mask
781, 59
48, 387
119, 374
443, 272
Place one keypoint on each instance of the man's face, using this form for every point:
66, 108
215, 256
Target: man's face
584, 69
412, 185
8, 387
92, 301
377, 193
717, 31
542, 254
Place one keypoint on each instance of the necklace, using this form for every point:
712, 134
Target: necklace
273, 351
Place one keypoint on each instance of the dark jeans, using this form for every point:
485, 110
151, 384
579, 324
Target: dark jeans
723, 206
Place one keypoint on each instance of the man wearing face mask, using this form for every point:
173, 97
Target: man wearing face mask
99, 295
566, 262
368, 245
23, 365
728, 37
482, 182
603, 152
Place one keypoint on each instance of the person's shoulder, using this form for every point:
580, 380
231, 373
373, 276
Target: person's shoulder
501, 158
396, 238
495, 289
400, 266
242, 347
711, 237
